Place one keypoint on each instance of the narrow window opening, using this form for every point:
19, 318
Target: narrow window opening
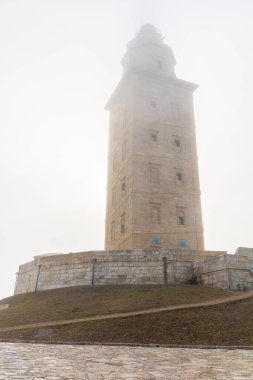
177, 143
112, 231
123, 187
123, 152
155, 213
153, 104
154, 173
180, 217
154, 136
160, 65
124, 118
181, 220
123, 224
179, 177
113, 195
175, 114
114, 162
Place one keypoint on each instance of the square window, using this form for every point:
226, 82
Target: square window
182, 243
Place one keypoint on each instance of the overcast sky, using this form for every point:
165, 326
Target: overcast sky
59, 63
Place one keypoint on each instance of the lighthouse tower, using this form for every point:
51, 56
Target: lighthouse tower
153, 192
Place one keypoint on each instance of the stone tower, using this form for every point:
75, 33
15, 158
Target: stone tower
153, 192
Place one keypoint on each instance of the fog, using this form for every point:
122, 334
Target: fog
59, 63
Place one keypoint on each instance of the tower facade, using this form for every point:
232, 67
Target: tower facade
153, 192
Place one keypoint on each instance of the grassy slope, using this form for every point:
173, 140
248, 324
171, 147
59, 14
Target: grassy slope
227, 324
78, 302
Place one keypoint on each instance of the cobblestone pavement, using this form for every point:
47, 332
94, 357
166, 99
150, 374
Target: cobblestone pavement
55, 362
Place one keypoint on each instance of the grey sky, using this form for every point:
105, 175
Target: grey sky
59, 63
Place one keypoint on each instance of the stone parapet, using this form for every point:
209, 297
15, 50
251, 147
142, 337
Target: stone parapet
242, 251
228, 272
146, 266
106, 267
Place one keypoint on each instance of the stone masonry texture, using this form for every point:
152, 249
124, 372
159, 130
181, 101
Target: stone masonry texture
65, 362
147, 266
153, 192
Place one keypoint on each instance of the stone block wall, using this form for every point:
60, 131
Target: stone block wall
228, 272
106, 267
152, 154
147, 266
27, 277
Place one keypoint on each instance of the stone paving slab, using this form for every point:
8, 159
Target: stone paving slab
61, 362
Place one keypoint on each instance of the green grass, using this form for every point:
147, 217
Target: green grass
85, 301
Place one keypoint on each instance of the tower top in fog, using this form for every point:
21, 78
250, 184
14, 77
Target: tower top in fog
148, 52
148, 33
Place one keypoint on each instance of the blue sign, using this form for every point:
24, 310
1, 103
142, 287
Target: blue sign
182, 243
156, 240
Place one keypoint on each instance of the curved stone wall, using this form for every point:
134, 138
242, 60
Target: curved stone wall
106, 267
162, 266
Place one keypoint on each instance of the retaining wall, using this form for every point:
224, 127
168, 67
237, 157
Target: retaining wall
229, 272
106, 267
162, 266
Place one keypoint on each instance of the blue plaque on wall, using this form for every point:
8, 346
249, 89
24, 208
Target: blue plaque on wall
182, 243
156, 240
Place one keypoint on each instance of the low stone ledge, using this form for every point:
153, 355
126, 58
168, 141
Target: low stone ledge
147, 345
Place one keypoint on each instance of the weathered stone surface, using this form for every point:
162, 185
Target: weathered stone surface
110, 267
152, 159
230, 272
64, 362
216, 269
242, 251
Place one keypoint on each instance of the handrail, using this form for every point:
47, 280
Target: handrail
219, 270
